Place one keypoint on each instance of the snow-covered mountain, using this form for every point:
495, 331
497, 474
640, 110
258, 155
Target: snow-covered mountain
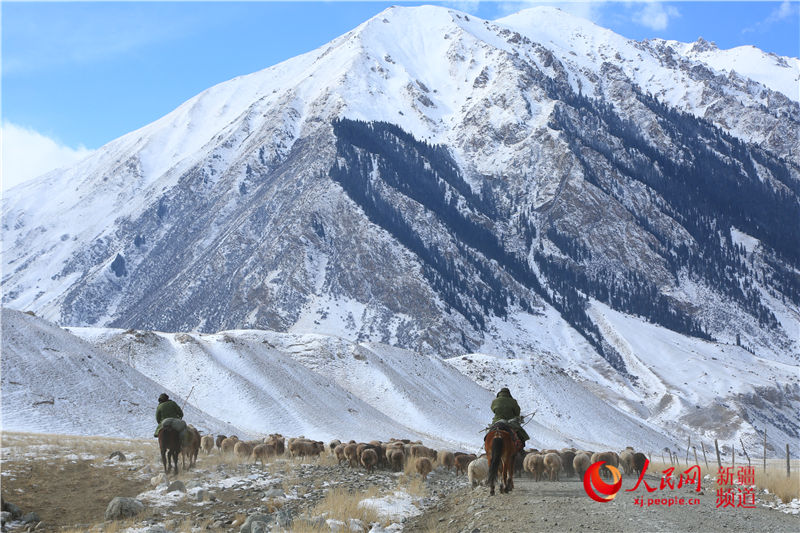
531, 188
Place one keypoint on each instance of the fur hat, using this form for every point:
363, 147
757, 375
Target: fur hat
163, 397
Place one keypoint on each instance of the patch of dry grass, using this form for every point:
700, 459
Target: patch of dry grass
776, 481
342, 504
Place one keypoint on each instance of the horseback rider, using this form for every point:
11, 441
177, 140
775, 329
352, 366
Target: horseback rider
506, 408
166, 409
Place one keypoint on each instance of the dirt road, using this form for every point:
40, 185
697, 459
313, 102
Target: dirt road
563, 506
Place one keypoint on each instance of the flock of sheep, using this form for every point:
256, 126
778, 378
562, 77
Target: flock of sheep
399, 454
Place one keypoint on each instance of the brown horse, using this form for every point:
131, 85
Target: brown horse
169, 440
501, 446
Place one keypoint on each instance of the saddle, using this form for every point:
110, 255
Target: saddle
503, 425
178, 425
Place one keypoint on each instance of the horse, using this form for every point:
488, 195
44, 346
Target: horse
501, 446
169, 441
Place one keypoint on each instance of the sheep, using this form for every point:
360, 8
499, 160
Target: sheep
228, 444
610, 458
536, 465
277, 440
207, 443
396, 458
243, 449
338, 451
303, 447
351, 454
478, 471
528, 463
423, 451
552, 463
567, 457
639, 460
626, 460
446, 459
423, 466
219, 440
333, 444
462, 462
369, 458
519, 459
262, 452
581, 464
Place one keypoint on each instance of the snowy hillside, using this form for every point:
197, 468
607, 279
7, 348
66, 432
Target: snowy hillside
53, 382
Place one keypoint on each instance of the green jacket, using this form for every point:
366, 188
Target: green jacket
504, 407
168, 409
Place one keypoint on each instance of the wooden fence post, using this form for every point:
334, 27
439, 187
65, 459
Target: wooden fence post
788, 474
719, 461
670, 458
744, 450
704, 454
688, 445
765, 448
694, 449
733, 455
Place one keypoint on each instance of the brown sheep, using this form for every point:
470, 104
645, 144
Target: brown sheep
219, 440
535, 465
610, 458
639, 460
228, 444
552, 463
333, 444
191, 446
369, 458
243, 449
446, 459
528, 463
207, 443
338, 451
351, 454
462, 462
423, 466
305, 448
278, 441
396, 458
567, 457
261, 453
626, 461
423, 451
581, 464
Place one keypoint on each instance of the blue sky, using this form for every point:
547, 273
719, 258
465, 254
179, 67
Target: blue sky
77, 75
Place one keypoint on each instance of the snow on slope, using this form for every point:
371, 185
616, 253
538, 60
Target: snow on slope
567, 413
53, 382
582, 43
321, 387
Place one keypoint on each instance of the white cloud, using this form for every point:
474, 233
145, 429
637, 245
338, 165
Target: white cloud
28, 154
655, 15
780, 13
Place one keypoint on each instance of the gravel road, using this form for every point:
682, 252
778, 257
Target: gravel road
564, 506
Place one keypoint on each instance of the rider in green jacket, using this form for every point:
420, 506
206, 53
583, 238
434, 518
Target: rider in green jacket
166, 409
505, 407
